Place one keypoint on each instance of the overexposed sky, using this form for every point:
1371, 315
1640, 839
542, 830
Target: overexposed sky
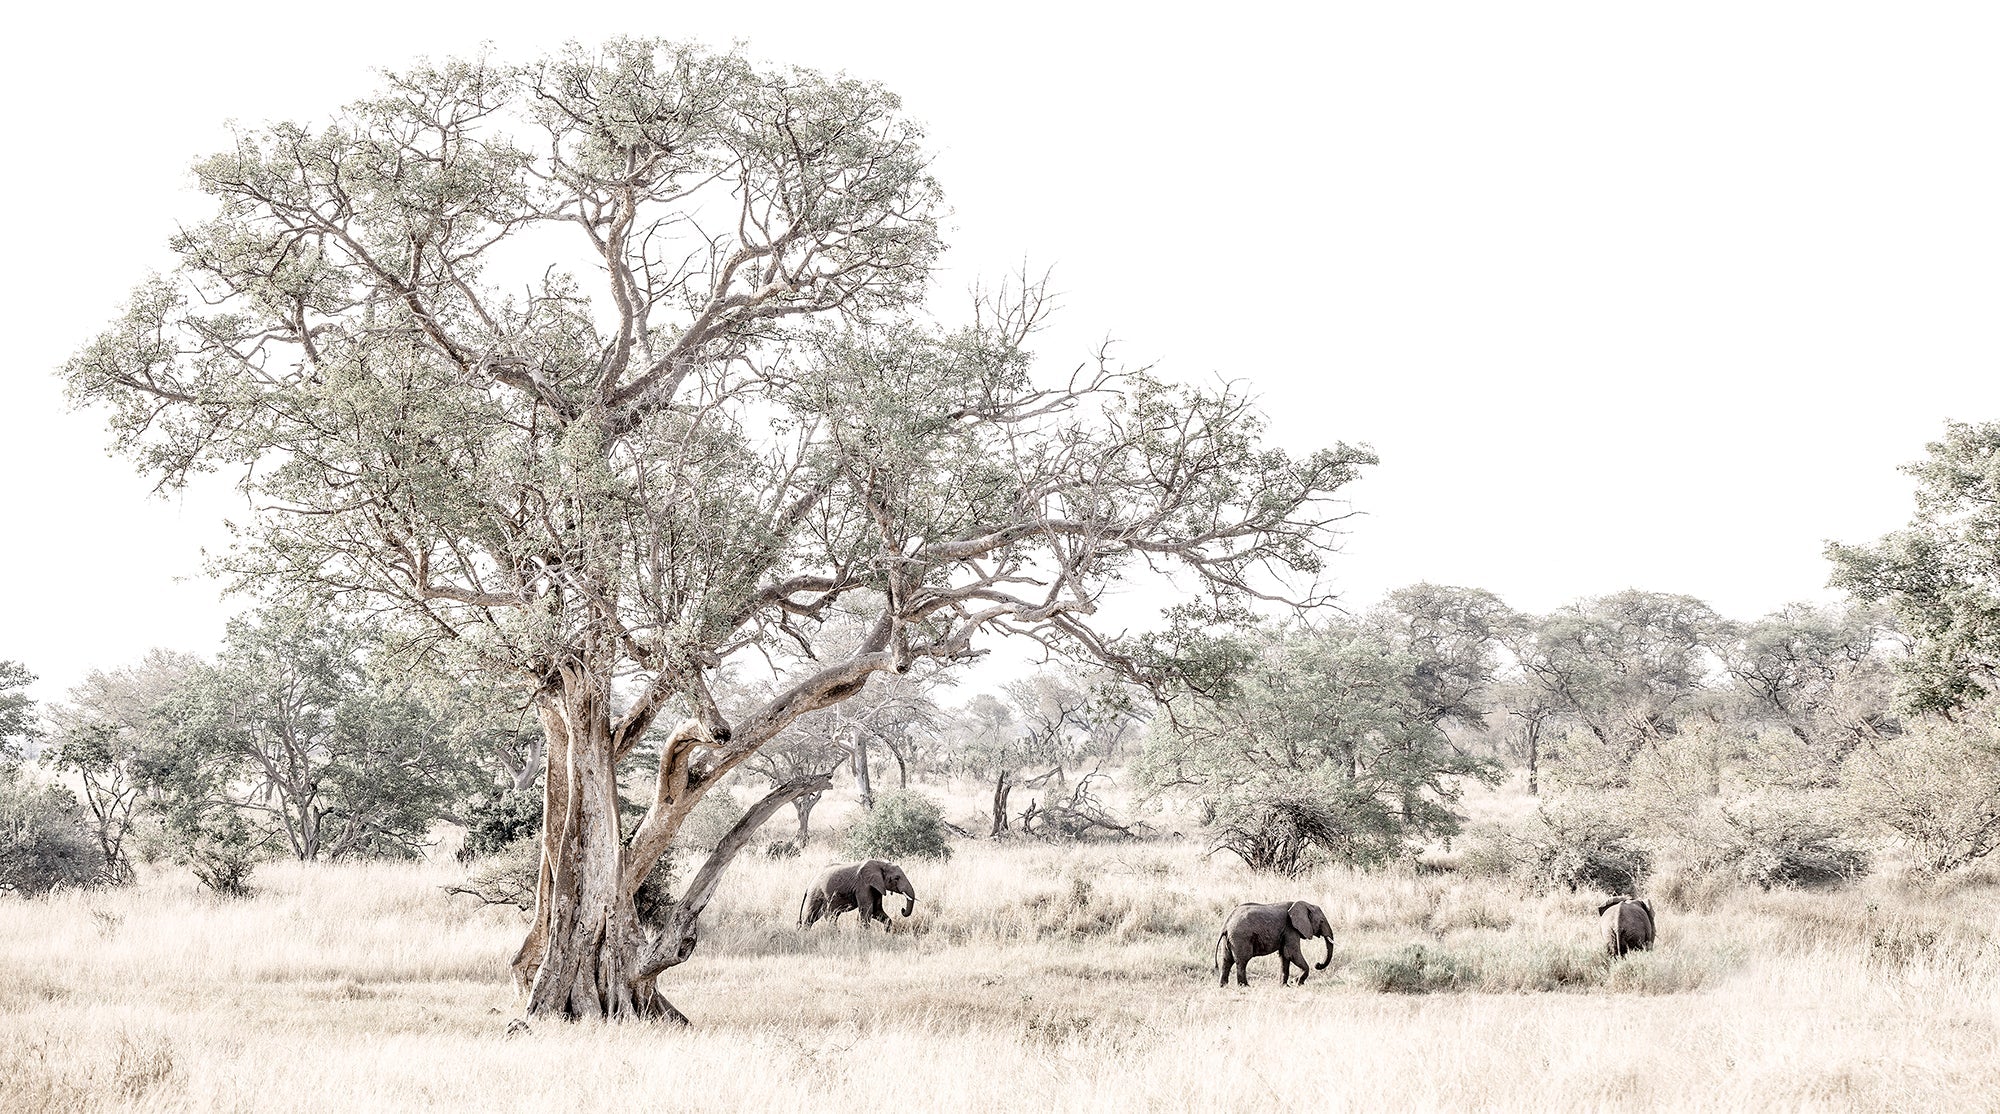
1623, 297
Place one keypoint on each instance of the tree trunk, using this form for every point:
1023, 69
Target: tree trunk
1002, 786
1534, 738
861, 785
804, 807
583, 949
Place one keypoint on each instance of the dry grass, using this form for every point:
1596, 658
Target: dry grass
1030, 978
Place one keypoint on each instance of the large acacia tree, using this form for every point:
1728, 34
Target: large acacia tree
599, 372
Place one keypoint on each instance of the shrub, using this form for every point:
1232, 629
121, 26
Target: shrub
781, 849
1291, 833
43, 842
708, 822
1578, 844
508, 876
217, 845
1788, 846
902, 825
1937, 788
1415, 970
494, 821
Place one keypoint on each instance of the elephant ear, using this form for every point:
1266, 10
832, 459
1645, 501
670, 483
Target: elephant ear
1609, 904
1301, 916
870, 876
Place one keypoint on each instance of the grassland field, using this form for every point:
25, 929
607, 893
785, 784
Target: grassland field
1032, 977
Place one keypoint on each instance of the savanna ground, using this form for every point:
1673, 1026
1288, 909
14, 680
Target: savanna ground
1031, 978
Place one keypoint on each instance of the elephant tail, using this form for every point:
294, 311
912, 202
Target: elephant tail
803, 898
1220, 945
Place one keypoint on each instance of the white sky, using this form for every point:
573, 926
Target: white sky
1623, 297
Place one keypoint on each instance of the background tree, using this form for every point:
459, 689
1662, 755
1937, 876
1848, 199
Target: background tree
1329, 749
1811, 683
18, 725
608, 498
1936, 788
301, 723
1043, 722
1623, 669
1940, 576
894, 712
44, 844
111, 727
1454, 637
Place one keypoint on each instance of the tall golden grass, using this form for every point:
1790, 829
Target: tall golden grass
1030, 978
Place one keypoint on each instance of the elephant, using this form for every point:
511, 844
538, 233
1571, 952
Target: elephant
1628, 924
856, 886
1254, 930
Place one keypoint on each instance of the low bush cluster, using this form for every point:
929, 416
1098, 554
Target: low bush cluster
1576, 844
902, 825
43, 842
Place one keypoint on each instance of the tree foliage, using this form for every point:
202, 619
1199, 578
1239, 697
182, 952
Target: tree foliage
1936, 788
302, 725
1624, 668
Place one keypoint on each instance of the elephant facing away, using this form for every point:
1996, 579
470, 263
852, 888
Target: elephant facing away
1254, 930
856, 886
1627, 922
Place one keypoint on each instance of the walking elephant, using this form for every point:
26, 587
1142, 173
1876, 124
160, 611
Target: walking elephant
1627, 922
856, 886
1254, 930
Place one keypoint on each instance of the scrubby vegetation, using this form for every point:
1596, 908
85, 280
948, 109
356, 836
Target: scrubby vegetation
902, 825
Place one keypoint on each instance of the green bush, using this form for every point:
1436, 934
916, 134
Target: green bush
1789, 847
497, 820
43, 842
712, 818
1577, 844
902, 825
217, 844
1415, 970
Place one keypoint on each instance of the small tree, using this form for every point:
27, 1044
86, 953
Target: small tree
1580, 842
1626, 667
302, 723
1813, 683
113, 725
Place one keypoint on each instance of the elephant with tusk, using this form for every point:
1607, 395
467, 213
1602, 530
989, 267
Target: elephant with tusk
1254, 930
1627, 922
856, 886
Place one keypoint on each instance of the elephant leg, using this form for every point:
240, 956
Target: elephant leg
1243, 970
1291, 955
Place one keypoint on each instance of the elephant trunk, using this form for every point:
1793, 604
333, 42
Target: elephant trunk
909, 898
1328, 937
